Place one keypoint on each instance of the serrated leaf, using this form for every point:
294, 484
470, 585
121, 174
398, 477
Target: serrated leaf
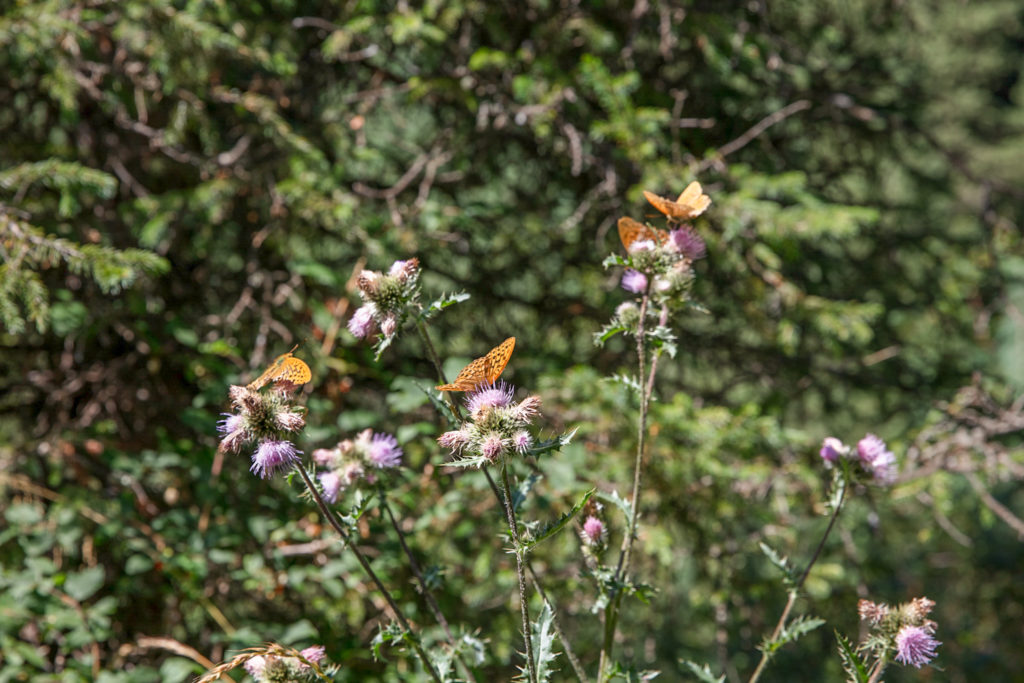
703, 673
607, 332
781, 563
442, 303
552, 444
630, 382
560, 523
852, 664
613, 260
522, 490
613, 498
544, 653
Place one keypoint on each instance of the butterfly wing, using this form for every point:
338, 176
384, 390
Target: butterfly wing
631, 231
473, 374
663, 205
293, 370
498, 358
690, 204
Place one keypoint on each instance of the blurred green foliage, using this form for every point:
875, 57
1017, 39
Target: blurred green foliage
188, 187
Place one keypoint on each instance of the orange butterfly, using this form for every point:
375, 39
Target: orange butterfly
690, 204
631, 231
483, 370
285, 368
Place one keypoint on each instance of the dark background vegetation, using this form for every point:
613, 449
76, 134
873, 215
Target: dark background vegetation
188, 187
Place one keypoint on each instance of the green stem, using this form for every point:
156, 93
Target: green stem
524, 607
767, 652
325, 510
424, 590
625, 554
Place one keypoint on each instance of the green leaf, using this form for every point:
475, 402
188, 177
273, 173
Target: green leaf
552, 444
442, 303
544, 653
702, 673
613, 498
560, 523
855, 668
82, 585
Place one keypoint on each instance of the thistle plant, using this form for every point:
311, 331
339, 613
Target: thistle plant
267, 419
903, 634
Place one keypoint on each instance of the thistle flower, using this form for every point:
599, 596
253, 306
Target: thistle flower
832, 449
230, 423
389, 325
384, 451
594, 531
634, 281
492, 447
289, 422
455, 440
872, 612
688, 243
915, 646
272, 456
315, 654
331, 484
368, 283
271, 668
522, 441
498, 395
918, 608
256, 666
361, 323
876, 459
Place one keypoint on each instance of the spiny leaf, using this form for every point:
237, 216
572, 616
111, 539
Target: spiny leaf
442, 303
560, 523
703, 673
855, 669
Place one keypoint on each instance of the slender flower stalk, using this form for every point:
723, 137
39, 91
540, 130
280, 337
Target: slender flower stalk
325, 510
423, 588
766, 653
524, 607
625, 555
435, 359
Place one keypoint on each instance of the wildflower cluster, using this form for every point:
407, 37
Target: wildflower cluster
904, 629
272, 668
872, 455
665, 264
387, 301
355, 459
497, 426
269, 420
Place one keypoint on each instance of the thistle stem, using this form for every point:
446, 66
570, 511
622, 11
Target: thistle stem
625, 554
766, 653
424, 590
524, 607
325, 510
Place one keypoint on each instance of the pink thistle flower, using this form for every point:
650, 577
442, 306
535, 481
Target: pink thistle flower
352, 472
454, 441
369, 283
384, 451
256, 666
915, 646
290, 422
314, 654
593, 531
244, 399
872, 612
230, 423
492, 447
389, 326
876, 458
832, 449
919, 608
634, 281
497, 395
688, 243
403, 270
361, 323
527, 409
272, 456
522, 441
324, 457
641, 245
331, 484
870, 448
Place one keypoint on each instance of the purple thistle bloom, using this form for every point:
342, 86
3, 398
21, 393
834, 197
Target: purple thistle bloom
915, 646
832, 449
870, 448
352, 472
331, 484
230, 423
634, 281
272, 456
497, 395
384, 451
324, 456
876, 458
313, 654
688, 243
389, 326
527, 409
361, 322
522, 441
397, 269
593, 531
492, 447
290, 422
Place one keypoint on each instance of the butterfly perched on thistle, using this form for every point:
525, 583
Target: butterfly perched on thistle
631, 232
484, 370
284, 368
690, 203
